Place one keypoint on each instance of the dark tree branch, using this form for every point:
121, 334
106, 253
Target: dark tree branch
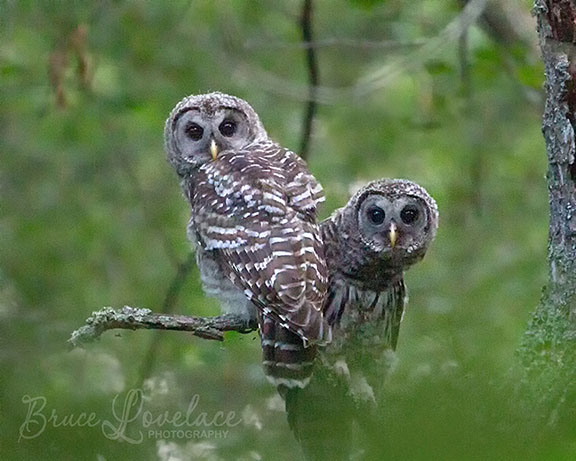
182, 274
185, 268
129, 318
313, 79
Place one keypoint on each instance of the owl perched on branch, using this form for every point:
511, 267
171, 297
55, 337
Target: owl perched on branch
385, 228
254, 206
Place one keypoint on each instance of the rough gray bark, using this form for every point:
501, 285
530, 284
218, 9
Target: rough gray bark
557, 28
548, 349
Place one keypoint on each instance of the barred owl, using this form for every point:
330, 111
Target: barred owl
254, 206
385, 228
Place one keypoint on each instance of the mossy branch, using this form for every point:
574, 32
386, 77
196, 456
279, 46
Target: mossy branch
130, 318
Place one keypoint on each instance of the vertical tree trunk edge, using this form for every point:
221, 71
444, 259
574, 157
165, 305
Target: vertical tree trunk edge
547, 352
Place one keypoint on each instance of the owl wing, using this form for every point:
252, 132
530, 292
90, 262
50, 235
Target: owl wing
303, 191
266, 246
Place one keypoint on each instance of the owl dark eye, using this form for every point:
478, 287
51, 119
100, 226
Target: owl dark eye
194, 131
227, 128
409, 214
376, 215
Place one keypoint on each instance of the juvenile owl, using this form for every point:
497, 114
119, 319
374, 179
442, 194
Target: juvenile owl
253, 222
385, 228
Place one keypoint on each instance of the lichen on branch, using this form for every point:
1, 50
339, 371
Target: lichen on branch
130, 318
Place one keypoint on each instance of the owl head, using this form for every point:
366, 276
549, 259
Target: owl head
201, 126
394, 219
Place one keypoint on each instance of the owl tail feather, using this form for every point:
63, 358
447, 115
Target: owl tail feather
287, 361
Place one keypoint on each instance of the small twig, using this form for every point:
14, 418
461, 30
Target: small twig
129, 318
312, 64
336, 43
465, 77
58, 64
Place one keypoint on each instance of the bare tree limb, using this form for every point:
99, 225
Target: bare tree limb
130, 318
313, 78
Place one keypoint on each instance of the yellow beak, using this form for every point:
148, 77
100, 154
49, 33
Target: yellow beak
393, 235
213, 149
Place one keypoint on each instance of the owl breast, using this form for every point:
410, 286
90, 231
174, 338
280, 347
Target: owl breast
217, 285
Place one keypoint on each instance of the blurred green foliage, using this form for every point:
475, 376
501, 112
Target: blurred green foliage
91, 215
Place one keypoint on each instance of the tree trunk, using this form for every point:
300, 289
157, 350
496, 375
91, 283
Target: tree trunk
548, 348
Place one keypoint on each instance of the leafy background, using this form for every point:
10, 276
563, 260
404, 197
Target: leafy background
91, 214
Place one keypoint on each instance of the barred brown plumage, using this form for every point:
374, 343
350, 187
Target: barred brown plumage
368, 283
386, 227
366, 268
266, 243
254, 207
